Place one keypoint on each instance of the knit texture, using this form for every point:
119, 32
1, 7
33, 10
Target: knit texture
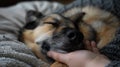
15, 54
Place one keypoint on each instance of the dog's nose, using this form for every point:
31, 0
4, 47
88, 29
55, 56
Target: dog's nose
74, 35
45, 46
71, 34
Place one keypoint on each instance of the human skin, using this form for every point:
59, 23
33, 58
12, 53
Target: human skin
82, 58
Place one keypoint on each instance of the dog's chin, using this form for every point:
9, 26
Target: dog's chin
61, 46
63, 49
49, 59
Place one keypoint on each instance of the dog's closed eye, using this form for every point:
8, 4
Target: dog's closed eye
53, 23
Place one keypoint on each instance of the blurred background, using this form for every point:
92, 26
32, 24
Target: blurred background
6, 3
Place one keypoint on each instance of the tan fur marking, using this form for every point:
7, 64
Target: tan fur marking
29, 41
28, 35
42, 29
58, 64
105, 36
109, 24
50, 19
85, 29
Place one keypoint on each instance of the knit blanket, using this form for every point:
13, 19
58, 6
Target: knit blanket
15, 54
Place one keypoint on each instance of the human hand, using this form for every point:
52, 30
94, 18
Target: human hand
82, 58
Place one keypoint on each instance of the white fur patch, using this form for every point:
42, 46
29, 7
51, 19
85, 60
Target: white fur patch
42, 37
97, 25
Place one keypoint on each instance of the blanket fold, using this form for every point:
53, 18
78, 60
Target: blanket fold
15, 54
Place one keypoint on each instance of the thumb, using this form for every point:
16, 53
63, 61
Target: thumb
58, 56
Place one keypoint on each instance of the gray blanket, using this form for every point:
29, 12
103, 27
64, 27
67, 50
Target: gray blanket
15, 53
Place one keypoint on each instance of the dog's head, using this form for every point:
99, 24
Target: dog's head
56, 32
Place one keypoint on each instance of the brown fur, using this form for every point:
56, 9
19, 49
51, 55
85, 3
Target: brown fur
104, 24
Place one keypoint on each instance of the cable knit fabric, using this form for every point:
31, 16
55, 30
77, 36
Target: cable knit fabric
15, 54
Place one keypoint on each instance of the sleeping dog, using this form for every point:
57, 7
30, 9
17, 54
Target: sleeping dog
66, 32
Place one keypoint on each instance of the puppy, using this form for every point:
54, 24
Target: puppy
66, 32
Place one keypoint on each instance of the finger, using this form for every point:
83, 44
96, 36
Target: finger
94, 47
93, 44
88, 45
58, 56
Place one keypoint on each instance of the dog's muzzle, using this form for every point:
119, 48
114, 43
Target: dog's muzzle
67, 40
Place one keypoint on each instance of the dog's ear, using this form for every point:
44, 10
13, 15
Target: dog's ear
31, 19
33, 15
77, 17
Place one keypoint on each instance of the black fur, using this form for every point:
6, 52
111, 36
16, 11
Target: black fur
31, 19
